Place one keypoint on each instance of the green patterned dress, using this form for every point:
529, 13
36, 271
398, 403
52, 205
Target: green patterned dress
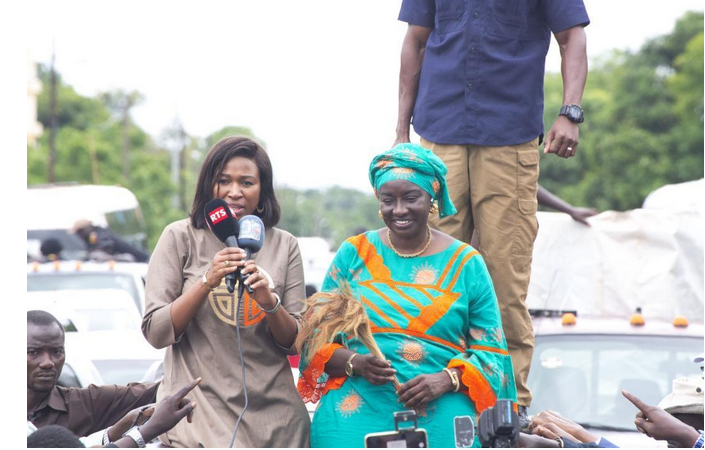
427, 313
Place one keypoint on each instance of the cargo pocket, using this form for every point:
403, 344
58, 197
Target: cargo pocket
527, 180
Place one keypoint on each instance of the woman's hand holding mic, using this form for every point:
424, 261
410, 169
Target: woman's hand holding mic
226, 261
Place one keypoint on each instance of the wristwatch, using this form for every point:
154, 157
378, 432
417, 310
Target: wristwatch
349, 367
136, 436
574, 113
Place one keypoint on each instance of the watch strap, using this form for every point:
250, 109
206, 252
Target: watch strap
136, 436
349, 366
565, 109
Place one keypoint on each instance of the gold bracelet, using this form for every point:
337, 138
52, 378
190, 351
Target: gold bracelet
205, 282
453, 379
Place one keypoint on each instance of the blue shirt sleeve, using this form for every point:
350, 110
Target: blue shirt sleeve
418, 12
563, 14
604, 443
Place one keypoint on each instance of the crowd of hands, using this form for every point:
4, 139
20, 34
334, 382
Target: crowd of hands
155, 419
545, 428
652, 421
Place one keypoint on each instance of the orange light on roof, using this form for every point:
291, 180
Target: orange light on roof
637, 320
680, 322
57, 265
568, 319
111, 264
35, 266
78, 265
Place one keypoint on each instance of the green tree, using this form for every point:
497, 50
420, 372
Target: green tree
644, 122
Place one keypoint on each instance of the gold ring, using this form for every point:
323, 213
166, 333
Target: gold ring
226, 263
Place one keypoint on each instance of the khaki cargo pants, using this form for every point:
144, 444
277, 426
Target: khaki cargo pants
494, 190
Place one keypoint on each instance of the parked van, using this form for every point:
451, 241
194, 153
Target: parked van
60, 206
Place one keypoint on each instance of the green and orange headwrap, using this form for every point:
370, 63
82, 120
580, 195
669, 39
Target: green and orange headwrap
413, 163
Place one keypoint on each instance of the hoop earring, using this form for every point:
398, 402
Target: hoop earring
434, 209
260, 210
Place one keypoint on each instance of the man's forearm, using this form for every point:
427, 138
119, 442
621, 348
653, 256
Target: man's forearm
574, 65
412, 54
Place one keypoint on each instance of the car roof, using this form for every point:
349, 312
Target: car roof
73, 266
64, 205
544, 326
84, 298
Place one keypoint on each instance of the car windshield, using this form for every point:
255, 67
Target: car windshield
122, 372
582, 376
104, 320
83, 280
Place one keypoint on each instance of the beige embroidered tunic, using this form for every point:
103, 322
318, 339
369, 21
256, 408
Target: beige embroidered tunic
276, 415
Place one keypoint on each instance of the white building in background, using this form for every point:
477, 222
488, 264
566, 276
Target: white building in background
34, 87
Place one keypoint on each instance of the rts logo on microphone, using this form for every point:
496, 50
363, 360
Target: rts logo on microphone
218, 215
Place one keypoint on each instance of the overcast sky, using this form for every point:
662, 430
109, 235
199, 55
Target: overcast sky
316, 80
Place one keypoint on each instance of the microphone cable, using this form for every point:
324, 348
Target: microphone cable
240, 291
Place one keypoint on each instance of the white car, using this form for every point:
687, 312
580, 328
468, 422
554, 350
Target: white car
75, 275
580, 369
121, 357
89, 310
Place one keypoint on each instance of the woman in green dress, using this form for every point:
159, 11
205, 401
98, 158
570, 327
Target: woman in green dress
433, 313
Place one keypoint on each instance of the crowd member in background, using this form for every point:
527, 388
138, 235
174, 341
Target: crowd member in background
433, 313
82, 410
103, 244
51, 249
578, 213
190, 311
472, 77
53, 436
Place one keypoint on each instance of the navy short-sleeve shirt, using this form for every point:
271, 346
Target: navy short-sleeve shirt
482, 76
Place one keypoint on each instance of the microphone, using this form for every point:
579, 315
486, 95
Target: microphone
251, 238
251, 235
225, 227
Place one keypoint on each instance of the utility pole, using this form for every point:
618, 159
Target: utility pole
94, 158
52, 117
176, 144
126, 137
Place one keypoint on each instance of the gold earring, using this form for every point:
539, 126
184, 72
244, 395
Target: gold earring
379, 213
434, 209
260, 210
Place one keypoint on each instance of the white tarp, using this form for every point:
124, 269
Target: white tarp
650, 258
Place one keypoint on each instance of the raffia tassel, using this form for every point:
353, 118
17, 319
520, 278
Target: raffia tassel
331, 313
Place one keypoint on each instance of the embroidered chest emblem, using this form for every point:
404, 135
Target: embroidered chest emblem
424, 274
224, 305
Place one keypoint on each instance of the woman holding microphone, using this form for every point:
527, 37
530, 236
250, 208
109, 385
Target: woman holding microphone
190, 312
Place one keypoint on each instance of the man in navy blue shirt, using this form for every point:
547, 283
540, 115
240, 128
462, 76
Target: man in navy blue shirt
472, 80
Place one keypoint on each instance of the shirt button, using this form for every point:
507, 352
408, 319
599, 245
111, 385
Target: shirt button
470, 85
476, 14
473, 49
